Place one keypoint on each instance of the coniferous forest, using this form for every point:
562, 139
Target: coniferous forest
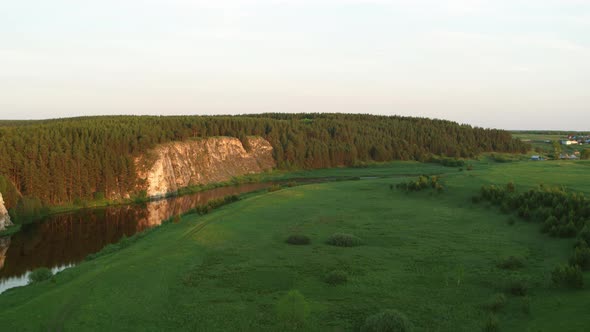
63, 160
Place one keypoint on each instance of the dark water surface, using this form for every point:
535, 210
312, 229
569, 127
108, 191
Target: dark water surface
63, 240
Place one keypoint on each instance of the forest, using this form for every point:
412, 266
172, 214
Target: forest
60, 161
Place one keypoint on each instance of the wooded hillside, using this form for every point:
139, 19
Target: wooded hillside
62, 160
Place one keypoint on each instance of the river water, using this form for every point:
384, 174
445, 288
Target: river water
63, 240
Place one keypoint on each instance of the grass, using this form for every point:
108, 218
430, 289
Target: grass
432, 256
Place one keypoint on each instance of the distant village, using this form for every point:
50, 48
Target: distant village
570, 140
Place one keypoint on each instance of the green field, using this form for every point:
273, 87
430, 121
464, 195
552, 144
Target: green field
431, 256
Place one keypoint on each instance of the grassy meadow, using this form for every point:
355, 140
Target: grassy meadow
432, 256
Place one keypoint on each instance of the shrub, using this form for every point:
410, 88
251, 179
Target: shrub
293, 309
510, 263
298, 239
511, 221
581, 256
40, 274
492, 324
336, 277
291, 184
423, 182
526, 305
568, 276
518, 287
496, 302
387, 321
344, 240
274, 187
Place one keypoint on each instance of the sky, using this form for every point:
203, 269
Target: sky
518, 64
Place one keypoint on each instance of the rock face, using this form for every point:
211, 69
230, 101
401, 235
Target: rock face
175, 165
4, 217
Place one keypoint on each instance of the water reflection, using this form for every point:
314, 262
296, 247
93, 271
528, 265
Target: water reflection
63, 240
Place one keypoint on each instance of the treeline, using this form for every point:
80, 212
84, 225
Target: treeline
63, 160
561, 214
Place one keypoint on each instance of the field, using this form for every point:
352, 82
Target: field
432, 256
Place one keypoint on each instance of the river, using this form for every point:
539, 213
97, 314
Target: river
63, 240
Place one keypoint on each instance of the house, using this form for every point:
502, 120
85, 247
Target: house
568, 156
568, 142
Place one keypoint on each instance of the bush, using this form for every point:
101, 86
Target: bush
274, 187
423, 182
387, 321
336, 277
496, 302
511, 221
581, 256
492, 324
298, 239
568, 276
526, 305
518, 287
510, 263
40, 274
293, 309
344, 240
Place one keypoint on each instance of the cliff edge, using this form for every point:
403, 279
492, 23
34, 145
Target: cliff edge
174, 165
4, 217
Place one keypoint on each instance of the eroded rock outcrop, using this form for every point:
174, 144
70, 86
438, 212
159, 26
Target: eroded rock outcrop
4, 217
4, 244
175, 165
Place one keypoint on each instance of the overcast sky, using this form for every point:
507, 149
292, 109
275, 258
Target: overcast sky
515, 64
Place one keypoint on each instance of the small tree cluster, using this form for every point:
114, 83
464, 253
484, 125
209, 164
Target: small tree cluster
448, 162
568, 276
422, 183
562, 213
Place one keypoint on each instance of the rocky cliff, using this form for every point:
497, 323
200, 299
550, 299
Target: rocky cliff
174, 165
4, 217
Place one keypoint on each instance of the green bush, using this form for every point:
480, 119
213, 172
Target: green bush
298, 239
274, 187
581, 256
387, 321
492, 324
526, 305
293, 310
344, 240
496, 302
518, 287
510, 263
336, 277
40, 274
423, 182
568, 276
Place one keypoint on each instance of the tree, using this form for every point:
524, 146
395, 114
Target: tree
556, 149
